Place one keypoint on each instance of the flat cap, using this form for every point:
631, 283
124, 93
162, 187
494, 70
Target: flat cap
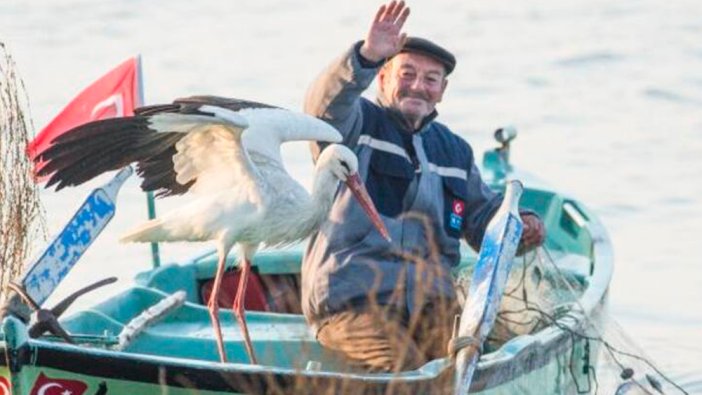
425, 47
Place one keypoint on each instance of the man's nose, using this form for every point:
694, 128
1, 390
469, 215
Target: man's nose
417, 84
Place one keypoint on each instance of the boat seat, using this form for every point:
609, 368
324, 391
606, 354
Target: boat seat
277, 293
254, 299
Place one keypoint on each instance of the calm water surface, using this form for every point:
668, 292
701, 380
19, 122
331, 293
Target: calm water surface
607, 97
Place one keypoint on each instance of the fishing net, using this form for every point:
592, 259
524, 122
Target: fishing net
21, 215
544, 293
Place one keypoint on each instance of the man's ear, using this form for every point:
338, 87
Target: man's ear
382, 75
443, 89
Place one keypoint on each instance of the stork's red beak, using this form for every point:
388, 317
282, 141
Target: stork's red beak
359, 191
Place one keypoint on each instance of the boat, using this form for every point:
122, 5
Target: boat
155, 337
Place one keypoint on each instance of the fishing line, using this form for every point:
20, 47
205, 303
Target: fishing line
600, 332
588, 369
626, 372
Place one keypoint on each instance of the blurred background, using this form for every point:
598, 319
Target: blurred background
606, 96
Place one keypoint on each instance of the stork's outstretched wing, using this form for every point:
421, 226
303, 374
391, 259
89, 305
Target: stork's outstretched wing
269, 126
96, 147
212, 156
147, 138
151, 137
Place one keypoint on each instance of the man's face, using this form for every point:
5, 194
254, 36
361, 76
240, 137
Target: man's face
413, 84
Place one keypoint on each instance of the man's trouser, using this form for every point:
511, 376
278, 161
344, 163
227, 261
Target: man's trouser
384, 339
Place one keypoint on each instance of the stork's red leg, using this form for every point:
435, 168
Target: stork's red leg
213, 307
239, 307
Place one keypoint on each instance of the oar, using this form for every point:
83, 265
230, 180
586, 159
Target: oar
44, 275
485, 292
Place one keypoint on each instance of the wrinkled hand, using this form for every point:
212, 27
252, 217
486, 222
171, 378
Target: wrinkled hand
533, 233
384, 39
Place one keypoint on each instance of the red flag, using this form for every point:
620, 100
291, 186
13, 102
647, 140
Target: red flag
50, 386
4, 386
115, 94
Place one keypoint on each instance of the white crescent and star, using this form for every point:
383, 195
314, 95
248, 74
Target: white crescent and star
115, 101
42, 390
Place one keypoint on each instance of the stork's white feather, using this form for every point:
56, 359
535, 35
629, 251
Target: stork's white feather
215, 152
270, 127
230, 116
276, 210
214, 156
171, 122
221, 216
245, 194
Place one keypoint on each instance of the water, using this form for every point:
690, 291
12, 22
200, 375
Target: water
607, 97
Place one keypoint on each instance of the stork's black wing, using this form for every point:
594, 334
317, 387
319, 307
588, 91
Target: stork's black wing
96, 147
192, 103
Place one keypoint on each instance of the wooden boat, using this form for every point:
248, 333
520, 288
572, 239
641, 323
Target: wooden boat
177, 354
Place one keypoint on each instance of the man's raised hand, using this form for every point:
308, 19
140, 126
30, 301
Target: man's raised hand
384, 39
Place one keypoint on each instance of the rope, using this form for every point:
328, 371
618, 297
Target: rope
458, 343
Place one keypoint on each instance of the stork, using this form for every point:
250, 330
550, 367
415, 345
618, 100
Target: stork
227, 153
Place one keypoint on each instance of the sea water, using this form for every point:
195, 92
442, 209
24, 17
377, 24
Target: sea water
606, 95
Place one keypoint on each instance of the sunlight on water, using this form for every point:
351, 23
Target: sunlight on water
607, 97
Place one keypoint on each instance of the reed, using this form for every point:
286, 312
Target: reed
21, 214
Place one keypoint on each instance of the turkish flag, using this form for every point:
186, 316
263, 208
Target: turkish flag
48, 386
4, 386
458, 207
115, 94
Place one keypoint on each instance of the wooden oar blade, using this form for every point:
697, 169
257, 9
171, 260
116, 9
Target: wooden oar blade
61, 255
497, 252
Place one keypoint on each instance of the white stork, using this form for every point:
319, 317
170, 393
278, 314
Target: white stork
227, 152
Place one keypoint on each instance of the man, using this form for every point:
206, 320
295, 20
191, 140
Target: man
390, 306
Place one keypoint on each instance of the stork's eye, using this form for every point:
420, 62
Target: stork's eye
346, 165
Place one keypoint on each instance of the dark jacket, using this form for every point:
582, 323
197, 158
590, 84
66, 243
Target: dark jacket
426, 187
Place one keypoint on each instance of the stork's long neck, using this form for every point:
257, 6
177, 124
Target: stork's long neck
304, 212
323, 190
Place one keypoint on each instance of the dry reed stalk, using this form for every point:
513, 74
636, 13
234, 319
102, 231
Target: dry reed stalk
21, 214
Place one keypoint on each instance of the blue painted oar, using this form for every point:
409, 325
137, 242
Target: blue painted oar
487, 285
90, 219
